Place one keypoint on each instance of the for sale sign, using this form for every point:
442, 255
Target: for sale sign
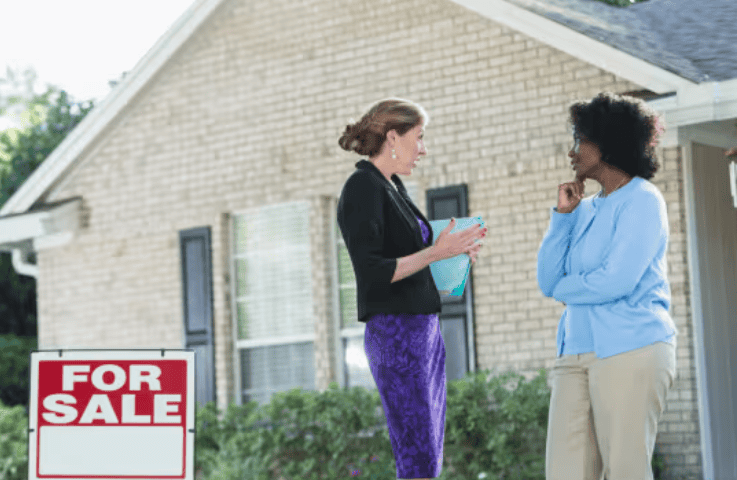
111, 414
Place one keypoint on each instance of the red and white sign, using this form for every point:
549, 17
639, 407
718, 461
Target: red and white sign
111, 414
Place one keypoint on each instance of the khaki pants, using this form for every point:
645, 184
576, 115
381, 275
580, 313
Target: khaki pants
604, 413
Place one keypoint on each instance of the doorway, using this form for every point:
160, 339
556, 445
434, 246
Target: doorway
714, 220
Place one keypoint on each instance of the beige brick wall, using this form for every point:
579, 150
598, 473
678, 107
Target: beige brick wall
248, 113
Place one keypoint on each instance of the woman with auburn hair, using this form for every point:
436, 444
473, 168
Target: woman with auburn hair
604, 256
390, 244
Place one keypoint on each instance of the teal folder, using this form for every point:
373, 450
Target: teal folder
450, 275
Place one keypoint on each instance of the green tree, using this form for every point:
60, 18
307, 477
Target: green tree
16, 91
46, 120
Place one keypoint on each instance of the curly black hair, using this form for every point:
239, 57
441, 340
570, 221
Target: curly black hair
626, 130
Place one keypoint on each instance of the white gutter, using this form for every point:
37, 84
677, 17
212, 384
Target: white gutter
21, 234
22, 266
694, 104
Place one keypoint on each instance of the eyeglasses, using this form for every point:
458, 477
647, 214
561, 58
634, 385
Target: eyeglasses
577, 140
576, 143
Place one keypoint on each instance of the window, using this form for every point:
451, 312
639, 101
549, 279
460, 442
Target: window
272, 297
355, 366
456, 318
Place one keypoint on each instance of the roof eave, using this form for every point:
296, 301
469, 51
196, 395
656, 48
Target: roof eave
578, 45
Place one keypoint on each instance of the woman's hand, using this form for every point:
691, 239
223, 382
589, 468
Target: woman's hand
474, 251
446, 246
449, 245
570, 195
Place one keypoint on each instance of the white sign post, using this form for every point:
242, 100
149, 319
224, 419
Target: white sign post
112, 414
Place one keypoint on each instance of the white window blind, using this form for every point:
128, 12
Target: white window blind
273, 302
273, 272
355, 364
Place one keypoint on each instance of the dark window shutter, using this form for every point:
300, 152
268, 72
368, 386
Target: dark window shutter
456, 317
197, 307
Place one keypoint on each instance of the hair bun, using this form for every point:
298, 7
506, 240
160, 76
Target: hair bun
367, 136
348, 140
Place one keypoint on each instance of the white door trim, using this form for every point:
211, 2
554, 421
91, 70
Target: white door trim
686, 137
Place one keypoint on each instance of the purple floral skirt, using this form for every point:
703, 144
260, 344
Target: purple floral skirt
406, 354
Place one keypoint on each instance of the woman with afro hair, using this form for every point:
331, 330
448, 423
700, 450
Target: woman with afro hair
604, 257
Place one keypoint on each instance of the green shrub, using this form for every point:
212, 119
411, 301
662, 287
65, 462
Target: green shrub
658, 465
494, 426
319, 433
14, 368
495, 429
223, 444
299, 434
13, 443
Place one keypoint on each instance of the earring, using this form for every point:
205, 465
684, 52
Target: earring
394, 154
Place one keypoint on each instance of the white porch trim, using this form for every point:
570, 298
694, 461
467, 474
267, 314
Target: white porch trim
52, 227
46, 228
706, 134
694, 104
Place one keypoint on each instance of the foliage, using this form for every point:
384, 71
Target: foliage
658, 466
495, 427
17, 300
299, 434
223, 443
14, 368
48, 119
13, 443
16, 90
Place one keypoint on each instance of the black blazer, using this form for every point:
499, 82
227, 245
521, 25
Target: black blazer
379, 225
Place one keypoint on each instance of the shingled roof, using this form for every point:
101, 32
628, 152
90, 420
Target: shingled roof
695, 39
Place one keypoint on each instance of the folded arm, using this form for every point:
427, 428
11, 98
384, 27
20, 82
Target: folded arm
640, 230
551, 257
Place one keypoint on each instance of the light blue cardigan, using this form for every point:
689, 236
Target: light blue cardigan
606, 262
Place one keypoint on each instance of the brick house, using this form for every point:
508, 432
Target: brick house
195, 206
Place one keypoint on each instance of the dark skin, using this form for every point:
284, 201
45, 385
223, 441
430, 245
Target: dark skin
587, 162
